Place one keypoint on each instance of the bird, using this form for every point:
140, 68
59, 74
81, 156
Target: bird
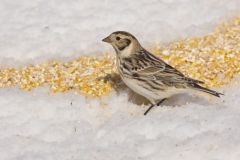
148, 75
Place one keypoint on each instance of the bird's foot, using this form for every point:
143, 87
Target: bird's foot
114, 80
160, 102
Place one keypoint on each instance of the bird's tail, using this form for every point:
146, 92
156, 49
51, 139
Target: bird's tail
209, 91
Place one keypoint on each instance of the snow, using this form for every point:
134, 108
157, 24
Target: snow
66, 126
37, 125
46, 29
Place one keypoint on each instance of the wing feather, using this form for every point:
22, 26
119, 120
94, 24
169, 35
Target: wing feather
154, 68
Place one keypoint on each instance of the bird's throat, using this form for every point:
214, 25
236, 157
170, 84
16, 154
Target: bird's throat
126, 51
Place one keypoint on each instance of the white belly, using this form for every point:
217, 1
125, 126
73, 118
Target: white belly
136, 87
152, 96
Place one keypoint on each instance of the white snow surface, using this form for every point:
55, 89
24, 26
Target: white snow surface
46, 29
39, 126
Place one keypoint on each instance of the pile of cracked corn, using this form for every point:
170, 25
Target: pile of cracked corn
214, 59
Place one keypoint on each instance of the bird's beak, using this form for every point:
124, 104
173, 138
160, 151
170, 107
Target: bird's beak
107, 39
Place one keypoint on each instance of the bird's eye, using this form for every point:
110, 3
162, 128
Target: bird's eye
118, 38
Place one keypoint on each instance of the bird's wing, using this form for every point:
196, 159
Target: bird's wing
152, 68
155, 72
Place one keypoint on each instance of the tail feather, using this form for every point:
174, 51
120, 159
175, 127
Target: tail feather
195, 81
209, 91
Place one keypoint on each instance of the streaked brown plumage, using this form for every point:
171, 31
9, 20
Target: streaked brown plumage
148, 75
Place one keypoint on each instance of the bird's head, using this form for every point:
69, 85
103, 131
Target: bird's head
123, 42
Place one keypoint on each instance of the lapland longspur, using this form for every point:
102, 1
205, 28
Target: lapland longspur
148, 75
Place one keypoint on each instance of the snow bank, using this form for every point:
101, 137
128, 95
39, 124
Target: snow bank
46, 29
36, 125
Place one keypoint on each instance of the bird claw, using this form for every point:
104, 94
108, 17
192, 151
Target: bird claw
107, 78
114, 80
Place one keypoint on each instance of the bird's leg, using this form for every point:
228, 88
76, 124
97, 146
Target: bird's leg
107, 78
160, 102
145, 113
113, 79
